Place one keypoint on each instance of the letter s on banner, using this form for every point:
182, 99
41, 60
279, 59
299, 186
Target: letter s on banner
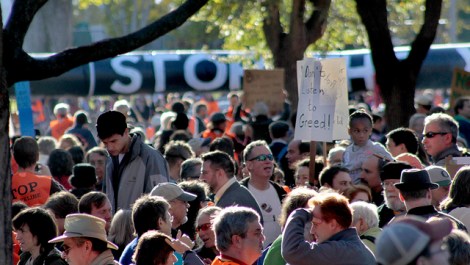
134, 75
193, 81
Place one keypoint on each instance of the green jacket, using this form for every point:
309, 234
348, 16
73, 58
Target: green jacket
369, 237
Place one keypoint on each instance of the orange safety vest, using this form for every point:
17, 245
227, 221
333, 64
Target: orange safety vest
30, 188
212, 134
38, 111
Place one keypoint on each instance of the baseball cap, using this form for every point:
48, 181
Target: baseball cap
81, 117
84, 225
424, 99
439, 175
171, 191
402, 241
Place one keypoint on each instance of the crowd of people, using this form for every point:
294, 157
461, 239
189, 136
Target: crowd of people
191, 184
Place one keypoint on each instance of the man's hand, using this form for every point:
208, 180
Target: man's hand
181, 244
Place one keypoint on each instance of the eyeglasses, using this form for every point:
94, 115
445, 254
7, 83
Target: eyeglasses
388, 184
433, 134
263, 158
66, 249
203, 227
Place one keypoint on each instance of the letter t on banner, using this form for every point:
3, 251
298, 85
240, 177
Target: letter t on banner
23, 102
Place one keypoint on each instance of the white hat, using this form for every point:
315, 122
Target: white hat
84, 225
171, 191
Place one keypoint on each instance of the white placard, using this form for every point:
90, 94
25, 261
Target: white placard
322, 113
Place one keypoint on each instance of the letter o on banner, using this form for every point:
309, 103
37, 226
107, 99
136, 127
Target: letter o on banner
193, 81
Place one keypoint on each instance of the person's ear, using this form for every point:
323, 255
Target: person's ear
88, 245
160, 222
448, 138
402, 147
401, 197
237, 241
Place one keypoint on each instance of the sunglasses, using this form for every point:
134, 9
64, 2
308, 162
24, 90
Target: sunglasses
433, 134
263, 158
203, 227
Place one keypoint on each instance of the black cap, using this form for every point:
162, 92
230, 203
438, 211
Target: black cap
392, 170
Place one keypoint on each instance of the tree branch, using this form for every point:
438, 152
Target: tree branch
272, 27
374, 17
21, 66
296, 26
22, 14
426, 35
316, 24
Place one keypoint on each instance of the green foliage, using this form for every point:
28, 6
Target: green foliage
240, 23
121, 17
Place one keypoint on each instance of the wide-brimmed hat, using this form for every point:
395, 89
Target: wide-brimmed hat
415, 179
170, 191
84, 225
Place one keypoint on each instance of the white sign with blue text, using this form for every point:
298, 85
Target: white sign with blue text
322, 113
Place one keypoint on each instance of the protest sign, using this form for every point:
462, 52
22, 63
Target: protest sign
460, 85
322, 113
266, 86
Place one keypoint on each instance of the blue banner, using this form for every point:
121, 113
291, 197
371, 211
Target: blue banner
25, 112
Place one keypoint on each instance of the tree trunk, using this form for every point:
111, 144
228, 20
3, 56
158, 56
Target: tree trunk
287, 58
397, 78
398, 96
16, 65
6, 244
288, 48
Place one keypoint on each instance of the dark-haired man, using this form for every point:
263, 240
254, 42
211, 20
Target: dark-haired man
415, 191
28, 184
97, 204
134, 167
218, 171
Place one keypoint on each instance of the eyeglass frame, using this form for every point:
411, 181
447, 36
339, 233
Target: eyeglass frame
203, 227
262, 158
433, 134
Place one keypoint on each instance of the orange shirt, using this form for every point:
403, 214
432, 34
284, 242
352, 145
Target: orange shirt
58, 127
226, 260
30, 188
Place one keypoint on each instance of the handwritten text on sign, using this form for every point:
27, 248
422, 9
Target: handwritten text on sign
323, 100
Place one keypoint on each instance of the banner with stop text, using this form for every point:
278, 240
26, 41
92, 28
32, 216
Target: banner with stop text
322, 113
